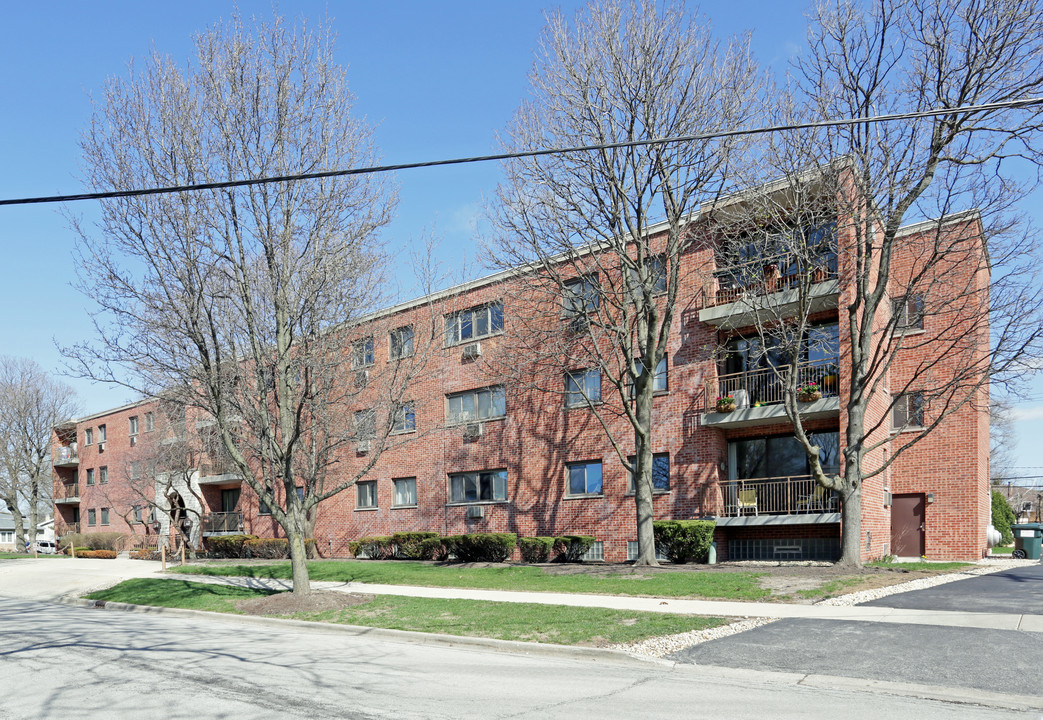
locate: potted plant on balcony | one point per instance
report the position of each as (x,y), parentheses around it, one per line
(725,404)
(809,392)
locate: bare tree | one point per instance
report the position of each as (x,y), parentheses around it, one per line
(934,305)
(31,404)
(606,232)
(242,304)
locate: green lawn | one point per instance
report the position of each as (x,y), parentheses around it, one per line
(506,621)
(23,556)
(716,585)
(1003,550)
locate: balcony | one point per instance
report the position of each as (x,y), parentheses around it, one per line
(767,288)
(66,456)
(67,493)
(778,501)
(222,524)
(223,473)
(759,395)
(61,529)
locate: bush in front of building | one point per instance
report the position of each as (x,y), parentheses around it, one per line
(274,548)
(572,548)
(98,554)
(684,541)
(482,547)
(434,549)
(1003,517)
(408,545)
(228,546)
(379,547)
(93,541)
(535,549)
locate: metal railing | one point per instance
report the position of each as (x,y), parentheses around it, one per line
(767,275)
(766,386)
(799,495)
(214,523)
(67,491)
(61,529)
(66,455)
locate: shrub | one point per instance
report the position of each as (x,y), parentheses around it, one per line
(572,548)
(1003,517)
(434,549)
(79,550)
(274,548)
(482,547)
(684,541)
(535,549)
(145,554)
(229,546)
(98,554)
(374,548)
(93,541)
(408,544)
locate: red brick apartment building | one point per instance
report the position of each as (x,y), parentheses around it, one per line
(503,461)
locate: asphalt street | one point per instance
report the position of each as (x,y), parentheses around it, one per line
(1011,591)
(60,661)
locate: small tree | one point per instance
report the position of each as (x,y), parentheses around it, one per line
(1003,517)
(606,232)
(31,404)
(241,304)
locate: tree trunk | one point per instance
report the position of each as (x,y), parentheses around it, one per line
(299,563)
(643,477)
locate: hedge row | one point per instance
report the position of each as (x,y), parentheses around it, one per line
(92,541)
(97,554)
(251,546)
(684,541)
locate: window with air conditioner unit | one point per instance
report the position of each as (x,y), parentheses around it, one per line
(362,353)
(474,323)
(477,405)
(401,343)
(472,351)
(473,430)
(484,486)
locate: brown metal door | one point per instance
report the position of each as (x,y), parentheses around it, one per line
(907,525)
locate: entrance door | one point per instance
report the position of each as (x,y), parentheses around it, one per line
(907,525)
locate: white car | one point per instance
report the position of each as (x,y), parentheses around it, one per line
(46,547)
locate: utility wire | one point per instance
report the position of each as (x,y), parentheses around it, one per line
(1006,105)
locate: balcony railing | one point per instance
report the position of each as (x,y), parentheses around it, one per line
(222,523)
(799,495)
(764,276)
(766,386)
(66,456)
(67,491)
(62,529)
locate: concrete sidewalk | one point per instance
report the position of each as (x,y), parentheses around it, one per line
(860,613)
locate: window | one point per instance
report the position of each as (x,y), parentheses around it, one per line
(909,312)
(478,486)
(655,266)
(133,421)
(482,404)
(365,424)
(262,506)
(404,418)
(101,433)
(90,476)
(103,475)
(137,513)
(300,493)
(405,492)
(401,343)
(782,456)
(134,470)
(907,411)
(585,478)
(659,380)
(150,422)
(582,387)
(367,494)
(660,473)
(362,353)
(473,323)
(104,516)
(581,295)
(92,517)
(88,436)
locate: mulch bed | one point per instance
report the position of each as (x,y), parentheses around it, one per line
(316,601)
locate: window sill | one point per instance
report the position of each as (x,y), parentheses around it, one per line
(465,503)
(400,358)
(366,509)
(403,507)
(631,493)
(585,496)
(910,429)
(470,340)
(461,423)
(402,432)
(907,332)
(585,406)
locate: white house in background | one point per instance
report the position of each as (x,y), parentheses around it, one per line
(6,532)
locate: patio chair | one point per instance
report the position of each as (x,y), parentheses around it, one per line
(747,499)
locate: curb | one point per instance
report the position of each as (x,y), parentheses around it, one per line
(513,647)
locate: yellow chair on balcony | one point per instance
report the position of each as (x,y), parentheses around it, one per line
(747,499)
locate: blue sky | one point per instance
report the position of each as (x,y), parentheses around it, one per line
(437,79)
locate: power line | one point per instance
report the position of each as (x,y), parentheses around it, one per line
(1006,105)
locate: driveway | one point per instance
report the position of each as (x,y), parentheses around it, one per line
(51,578)
(1010,591)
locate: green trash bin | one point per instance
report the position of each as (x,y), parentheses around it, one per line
(1028,537)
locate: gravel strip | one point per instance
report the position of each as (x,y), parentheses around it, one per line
(661,646)
(984,568)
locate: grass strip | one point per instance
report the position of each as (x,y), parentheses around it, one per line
(25,556)
(1003,550)
(715,585)
(178,594)
(525,622)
